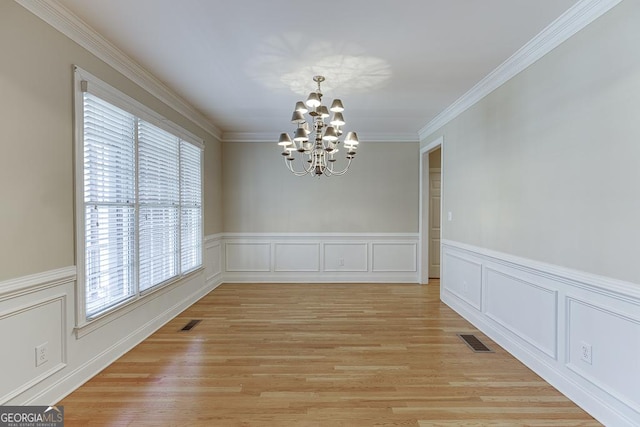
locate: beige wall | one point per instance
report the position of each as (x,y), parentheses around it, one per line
(547,167)
(378,194)
(36,160)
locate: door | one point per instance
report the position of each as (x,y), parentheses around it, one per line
(434,224)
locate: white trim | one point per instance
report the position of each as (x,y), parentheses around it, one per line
(635,405)
(212,258)
(600,284)
(62,363)
(266,137)
(212,238)
(78,149)
(324,236)
(101,89)
(596,388)
(74,379)
(573,20)
(551,350)
(63,20)
(254,258)
(13,288)
(87,82)
(130,304)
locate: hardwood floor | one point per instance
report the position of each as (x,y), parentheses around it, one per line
(318,355)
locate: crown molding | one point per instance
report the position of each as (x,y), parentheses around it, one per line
(273,137)
(573,20)
(63,20)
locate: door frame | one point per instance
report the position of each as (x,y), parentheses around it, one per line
(423,215)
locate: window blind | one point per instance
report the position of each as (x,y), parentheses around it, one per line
(142,204)
(191,204)
(109,195)
(159,197)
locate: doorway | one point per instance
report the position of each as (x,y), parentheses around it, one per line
(430,210)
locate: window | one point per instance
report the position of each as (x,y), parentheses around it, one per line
(140,223)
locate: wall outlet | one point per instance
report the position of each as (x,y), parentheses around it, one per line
(585,352)
(341,262)
(42,354)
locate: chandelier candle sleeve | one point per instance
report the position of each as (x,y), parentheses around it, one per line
(314,145)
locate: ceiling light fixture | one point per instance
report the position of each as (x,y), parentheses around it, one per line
(320,150)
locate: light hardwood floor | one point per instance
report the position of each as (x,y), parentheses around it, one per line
(318,355)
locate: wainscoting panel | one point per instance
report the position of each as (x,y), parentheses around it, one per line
(346,257)
(391,257)
(297,257)
(248,257)
(320,257)
(212,258)
(578,331)
(528,310)
(34,311)
(464,278)
(23,329)
(611,361)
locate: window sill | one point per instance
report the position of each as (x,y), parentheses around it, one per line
(132,304)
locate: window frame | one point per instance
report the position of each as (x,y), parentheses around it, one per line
(86,82)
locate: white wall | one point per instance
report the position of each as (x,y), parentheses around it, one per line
(542,179)
(546,166)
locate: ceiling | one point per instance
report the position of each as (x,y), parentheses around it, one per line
(396,64)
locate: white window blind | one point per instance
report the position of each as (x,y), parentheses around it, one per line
(109,198)
(191,204)
(159,197)
(142,202)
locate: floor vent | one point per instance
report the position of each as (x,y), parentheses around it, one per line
(189,326)
(474,343)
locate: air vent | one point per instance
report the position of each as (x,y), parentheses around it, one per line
(474,343)
(190,325)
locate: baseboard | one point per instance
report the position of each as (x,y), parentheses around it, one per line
(544,315)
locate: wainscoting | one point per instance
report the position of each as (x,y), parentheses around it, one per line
(39,309)
(579,332)
(33,312)
(307,258)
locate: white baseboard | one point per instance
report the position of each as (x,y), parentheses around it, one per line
(544,315)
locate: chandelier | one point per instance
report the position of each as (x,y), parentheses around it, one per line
(316,143)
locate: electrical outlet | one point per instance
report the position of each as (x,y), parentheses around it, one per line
(42,354)
(585,352)
(341,262)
